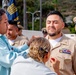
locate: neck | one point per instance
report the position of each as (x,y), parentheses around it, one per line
(54,37)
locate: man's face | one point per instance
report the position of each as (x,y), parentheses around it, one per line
(54,25)
(3,24)
(12,32)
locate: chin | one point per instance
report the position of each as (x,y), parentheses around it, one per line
(52,34)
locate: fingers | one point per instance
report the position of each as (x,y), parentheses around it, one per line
(32,38)
(53,59)
(55,62)
(35,36)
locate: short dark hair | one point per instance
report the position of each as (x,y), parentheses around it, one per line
(12,22)
(56,13)
(2,11)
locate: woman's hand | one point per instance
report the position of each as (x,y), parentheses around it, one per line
(55,64)
(31,39)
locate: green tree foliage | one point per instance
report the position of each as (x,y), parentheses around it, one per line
(46,7)
(55,4)
(20,9)
(72,28)
(34,5)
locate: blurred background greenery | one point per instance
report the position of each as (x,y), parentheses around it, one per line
(66,7)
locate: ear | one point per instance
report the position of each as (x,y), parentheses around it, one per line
(63,25)
(46,57)
(16,29)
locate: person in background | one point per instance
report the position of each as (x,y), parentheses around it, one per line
(44,32)
(74,20)
(20,28)
(63,48)
(12,34)
(33,64)
(7,52)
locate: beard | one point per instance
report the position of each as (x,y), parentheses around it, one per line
(54,34)
(51,33)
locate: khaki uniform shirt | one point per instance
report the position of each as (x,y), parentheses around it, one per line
(19,41)
(65,52)
(24,37)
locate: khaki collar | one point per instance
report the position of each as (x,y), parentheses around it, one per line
(63,41)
